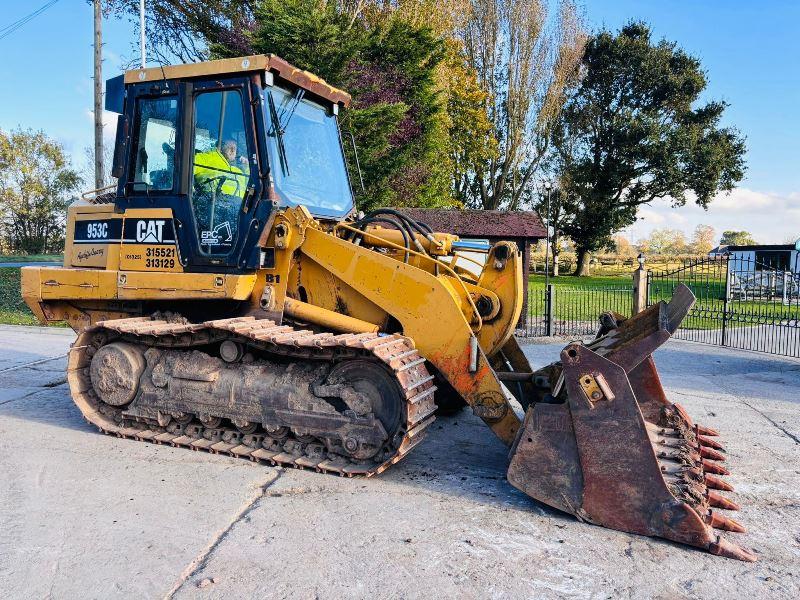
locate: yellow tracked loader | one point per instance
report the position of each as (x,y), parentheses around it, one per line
(226,298)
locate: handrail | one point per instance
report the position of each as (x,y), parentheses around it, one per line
(97,192)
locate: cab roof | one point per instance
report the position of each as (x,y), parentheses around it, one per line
(244,64)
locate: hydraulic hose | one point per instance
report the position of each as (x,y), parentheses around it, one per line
(387,220)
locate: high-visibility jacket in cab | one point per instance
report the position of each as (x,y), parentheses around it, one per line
(212,165)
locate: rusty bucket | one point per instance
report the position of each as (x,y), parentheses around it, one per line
(609,448)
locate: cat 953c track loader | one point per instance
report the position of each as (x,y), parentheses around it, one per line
(226,298)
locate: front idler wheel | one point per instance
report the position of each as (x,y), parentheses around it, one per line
(115,371)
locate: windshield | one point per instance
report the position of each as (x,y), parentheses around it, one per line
(307,161)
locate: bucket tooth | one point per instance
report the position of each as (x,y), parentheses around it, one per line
(720,501)
(709,443)
(723,547)
(716,483)
(710,466)
(711,453)
(717,521)
(701,430)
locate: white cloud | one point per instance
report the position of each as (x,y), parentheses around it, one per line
(772,218)
(746,200)
(109,125)
(651,217)
(679,220)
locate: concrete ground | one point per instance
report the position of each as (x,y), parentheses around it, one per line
(92,516)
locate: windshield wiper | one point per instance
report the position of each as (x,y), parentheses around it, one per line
(278,133)
(296,98)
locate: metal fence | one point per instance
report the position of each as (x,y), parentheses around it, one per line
(741,303)
(573,310)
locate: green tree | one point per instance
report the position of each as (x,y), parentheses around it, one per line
(472,139)
(630,134)
(389,66)
(737,238)
(35,182)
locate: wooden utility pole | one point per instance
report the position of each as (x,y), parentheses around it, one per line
(99,177)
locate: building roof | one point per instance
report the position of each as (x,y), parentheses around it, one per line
(503,224)
(760,247)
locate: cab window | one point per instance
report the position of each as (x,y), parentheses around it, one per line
(155,145)
(221,169)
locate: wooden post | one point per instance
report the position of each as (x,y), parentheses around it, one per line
(525,247)
(639,290)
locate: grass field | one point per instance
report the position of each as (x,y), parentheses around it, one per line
(32,258)
(570,280)
(580,299)
(13,310)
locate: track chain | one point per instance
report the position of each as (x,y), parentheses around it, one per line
(395,351)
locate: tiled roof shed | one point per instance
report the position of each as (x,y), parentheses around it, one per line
(500,224)
(521,227)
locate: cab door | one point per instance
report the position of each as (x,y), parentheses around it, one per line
(223,171)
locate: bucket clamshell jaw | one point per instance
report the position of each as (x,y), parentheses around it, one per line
(610,448)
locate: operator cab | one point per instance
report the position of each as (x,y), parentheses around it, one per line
(222,144)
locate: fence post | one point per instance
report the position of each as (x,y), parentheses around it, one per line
(725,302)
(639,290)
(785,299)
(548,310)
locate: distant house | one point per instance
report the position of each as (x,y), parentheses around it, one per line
(763,271)
(779,257)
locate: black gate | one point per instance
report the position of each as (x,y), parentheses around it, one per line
(741,303)
(573,311)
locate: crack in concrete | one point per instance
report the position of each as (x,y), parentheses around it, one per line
(56,383)
(31,364)
(45,388)
(200,561)
(771,420)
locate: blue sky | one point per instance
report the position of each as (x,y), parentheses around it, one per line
(749,50)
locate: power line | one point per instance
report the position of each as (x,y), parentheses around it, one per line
(19,23)
(11,28)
